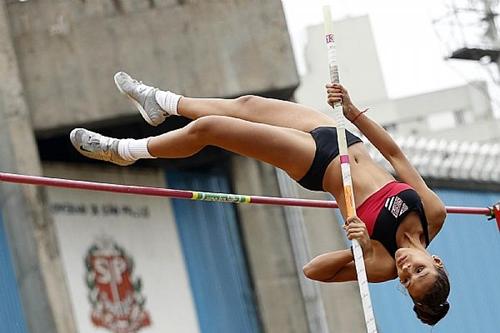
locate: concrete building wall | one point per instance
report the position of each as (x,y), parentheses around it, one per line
(482,131)
(359,65)
(269,251)
(432,113)
(69,50)
(30,231)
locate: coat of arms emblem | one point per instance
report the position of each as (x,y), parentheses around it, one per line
(115,296)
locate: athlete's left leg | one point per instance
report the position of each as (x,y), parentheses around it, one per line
(156,105)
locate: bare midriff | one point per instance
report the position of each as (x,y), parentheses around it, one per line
(367,176)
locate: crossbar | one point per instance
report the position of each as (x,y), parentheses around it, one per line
(196,195)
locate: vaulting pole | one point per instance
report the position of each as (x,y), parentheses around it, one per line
(359,262)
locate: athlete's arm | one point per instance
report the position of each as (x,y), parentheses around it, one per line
(325,267)
(339,266)
(435,210)
(378,136)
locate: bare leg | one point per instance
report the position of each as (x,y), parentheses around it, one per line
(256,109)
(252,108)
(285,148)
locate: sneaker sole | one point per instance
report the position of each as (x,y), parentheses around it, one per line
(136,104)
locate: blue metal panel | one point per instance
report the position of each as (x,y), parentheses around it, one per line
(213,252)
(11,313)
(470,248)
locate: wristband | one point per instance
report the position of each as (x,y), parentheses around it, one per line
(357,116)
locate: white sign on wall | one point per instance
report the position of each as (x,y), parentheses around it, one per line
(121,254)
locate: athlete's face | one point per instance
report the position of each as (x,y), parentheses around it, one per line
(417,270)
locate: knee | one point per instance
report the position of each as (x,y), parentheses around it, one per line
(204,127)
(248,101)
(308,270)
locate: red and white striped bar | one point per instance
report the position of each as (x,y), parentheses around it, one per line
(162,192)
(204,196)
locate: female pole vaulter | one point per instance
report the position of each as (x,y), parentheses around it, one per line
(396,220)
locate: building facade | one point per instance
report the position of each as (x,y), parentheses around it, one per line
(445,114)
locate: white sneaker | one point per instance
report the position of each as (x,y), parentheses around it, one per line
(97,146)
(143,98)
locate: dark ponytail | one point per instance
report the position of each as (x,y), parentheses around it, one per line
(434,305)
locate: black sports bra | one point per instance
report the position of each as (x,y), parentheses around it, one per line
(395,209)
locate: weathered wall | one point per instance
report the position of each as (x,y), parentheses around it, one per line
(69,50)
(269,251)
(31,234)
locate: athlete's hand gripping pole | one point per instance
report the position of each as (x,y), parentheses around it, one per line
(346,176)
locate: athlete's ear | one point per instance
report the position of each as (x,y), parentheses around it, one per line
(437,261)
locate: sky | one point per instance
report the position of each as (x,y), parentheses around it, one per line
(411,48)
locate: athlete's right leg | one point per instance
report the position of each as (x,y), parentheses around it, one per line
(155,105)
(285,148)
